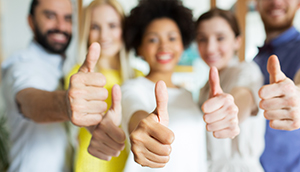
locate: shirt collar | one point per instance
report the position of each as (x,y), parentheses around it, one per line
(43,54)
(283,38)
(286,36)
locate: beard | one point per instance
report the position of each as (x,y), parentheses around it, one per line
(55,48)
(272,26)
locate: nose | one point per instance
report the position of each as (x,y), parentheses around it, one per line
(63,25)
(104,34)
(211,46)
(163,44)
(277,3)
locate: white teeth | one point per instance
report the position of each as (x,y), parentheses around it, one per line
(164,57)
(104,44)
(59,37)
(277,12)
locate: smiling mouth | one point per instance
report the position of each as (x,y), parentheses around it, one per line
(164,58)
(58,37)
(277,12)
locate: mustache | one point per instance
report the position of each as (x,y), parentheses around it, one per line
(68,35)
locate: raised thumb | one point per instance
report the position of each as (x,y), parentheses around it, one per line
(116,106)
(91,58)
(214,82)
(161,95)
(276,75)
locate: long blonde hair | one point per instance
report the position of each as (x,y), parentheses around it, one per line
(126,71)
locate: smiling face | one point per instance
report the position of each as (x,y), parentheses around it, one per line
(52,24)
(106,28)
(161,45)
(277,14)
(217,43)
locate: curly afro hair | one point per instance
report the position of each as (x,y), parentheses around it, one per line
(147,11)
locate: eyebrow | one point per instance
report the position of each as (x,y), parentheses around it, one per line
(154,33)
(48,12)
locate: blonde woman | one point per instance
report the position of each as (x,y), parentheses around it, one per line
(103,23)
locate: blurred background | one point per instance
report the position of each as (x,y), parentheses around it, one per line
(192,73)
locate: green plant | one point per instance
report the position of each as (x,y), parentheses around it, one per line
(3,145)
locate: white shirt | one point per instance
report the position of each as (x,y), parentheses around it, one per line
(185,120)
(34,147)
(242,153)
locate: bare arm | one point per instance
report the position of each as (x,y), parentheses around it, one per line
(244,100)
(43,106)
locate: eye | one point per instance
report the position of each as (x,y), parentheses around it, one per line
(95,27)
(220,38)
(201,40)
(172,38)
(113,25)
(153,40)
(50,16)
(68,19)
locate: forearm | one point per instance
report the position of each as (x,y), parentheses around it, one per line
(43,106)
(135,120)
(244,100)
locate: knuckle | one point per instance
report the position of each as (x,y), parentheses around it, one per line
(294,114)
(292,101)
(75,78)
(135,138)
(91,150)
(103,107)
(76,120)
(289,87)
(267,114)
(144,124)
(229,97)
(100,78)
(261,104)
(296,124)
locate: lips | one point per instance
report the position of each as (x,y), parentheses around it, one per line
(105,45)
(277,12)
(164,58)
(59,37)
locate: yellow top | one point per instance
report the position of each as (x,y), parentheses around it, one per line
(84,162)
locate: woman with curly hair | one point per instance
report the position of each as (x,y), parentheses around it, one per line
(155,110)
(218,38)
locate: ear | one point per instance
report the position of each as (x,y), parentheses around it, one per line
(30,22)
(237,43)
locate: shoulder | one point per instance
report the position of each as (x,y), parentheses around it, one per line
(245,68)
(138,73)
(138,82)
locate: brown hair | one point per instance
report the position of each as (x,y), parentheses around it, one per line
(227,15)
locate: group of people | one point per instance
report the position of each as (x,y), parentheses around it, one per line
(86,122)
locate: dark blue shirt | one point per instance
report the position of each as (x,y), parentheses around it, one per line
(282,149)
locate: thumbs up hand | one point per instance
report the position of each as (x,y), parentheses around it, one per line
(151,140)
(86,95)
(220,111)
(107,138)
(280,99)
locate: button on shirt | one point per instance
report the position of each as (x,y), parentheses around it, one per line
(34,147)
(282,149)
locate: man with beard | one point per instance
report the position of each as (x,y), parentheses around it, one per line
(280,96)
(38,109)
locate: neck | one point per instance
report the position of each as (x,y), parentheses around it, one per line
(165,76)
(272,34)
(105,62)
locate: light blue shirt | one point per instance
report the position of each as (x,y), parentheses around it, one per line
(34,147)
